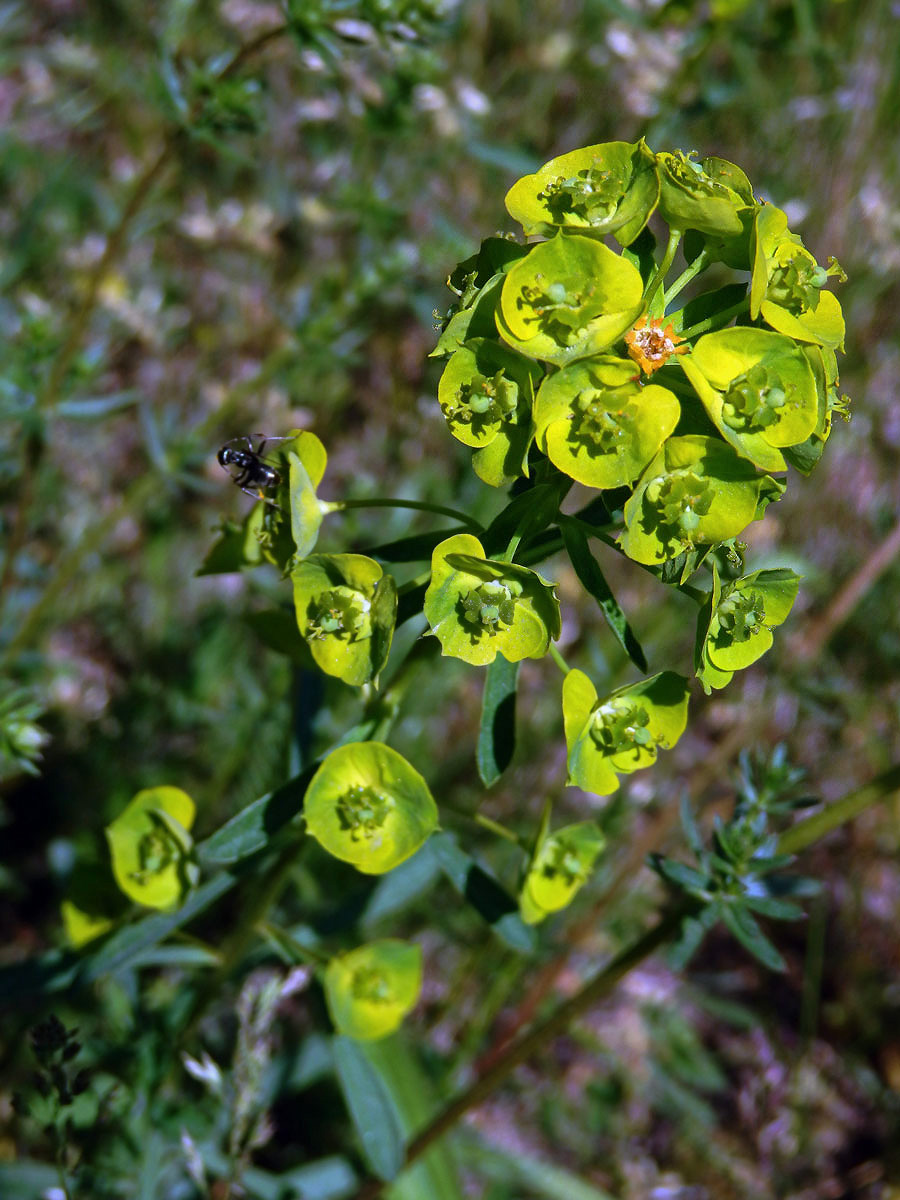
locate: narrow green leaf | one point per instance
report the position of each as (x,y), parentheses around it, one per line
(779,910)
(527,514)
(742,925)
(329,1178)
(497,735)
(253,827)
(680,874)
(371,1108)
(690,827)
(693,931)
(588,571)
(123,948)
(543,1179)
(383,614)
(412,1090)
(401,887)
(491,901)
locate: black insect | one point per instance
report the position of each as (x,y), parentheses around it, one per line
(248,469)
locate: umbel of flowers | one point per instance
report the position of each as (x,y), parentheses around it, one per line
(571,357)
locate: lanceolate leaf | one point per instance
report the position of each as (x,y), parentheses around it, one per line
(371,1107)
(484,893)
(739,922)
(497,735)
(588,571)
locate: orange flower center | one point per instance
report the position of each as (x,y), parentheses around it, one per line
(651,346)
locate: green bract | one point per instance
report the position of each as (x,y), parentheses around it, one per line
(151,847)
(710,196)
(568,298)
(787,284)
(609,188)
(561,864)
(734,626)
(622,732)
(368,806)
(758,389)
(371,989)
(596,423)
(82,927)
(486,394)
(823,363)
(477,282)
(346,609)
(696,491)
(290,518)
(307,460)
(479,608)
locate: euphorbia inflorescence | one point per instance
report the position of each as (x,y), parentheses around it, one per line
(572,357)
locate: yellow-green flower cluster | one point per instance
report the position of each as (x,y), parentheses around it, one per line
(551,344)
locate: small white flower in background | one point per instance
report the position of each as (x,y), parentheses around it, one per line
(204,1070)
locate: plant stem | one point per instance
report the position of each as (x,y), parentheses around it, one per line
(700,263)
(419,505)
(594,990)
(810,830)
(717,320)
(559,660)
(478,818)
(263,896)
(797,838)
(510,552)
(663,269)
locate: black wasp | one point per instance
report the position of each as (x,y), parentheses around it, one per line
(252,473)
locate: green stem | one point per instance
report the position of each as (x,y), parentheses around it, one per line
(594,990)
(263,892)
(810,830)
(419,505)
(601,985)
(717,320)
(511,547)
(700,263)
(559,660)
(485,823)
(279,937)
(663,268)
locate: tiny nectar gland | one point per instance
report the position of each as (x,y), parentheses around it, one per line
(362,811)
(371,986)
(618,724)
(651,346)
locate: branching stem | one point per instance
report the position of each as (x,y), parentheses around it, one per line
(663,269)
(717,320)
(700,263)
(602,984)
(392,502)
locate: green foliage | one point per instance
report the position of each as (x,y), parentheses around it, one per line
(741,873)
(251,240)
(21,737)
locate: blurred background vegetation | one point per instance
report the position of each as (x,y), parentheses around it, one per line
(191,255)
